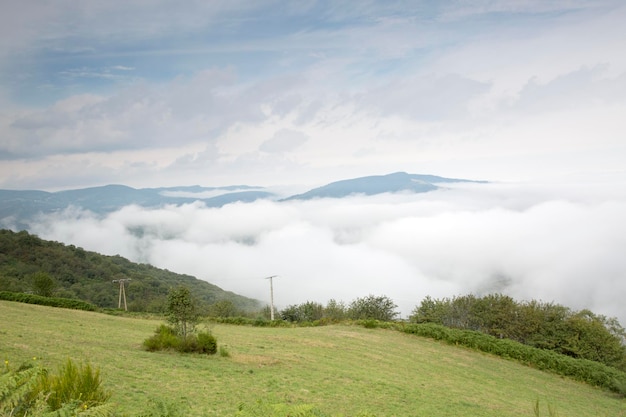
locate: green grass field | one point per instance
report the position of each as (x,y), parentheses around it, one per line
(341,370)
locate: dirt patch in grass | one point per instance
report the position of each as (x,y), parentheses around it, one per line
(258,360)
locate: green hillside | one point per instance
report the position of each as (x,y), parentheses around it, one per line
(77,273)
(340,370)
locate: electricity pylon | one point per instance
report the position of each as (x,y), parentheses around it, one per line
(122,292)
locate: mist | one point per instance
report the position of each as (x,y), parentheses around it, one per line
(559,243)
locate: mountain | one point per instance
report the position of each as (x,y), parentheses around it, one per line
(378,184)
(17,207)
(88,276)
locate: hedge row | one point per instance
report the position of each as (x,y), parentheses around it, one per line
(46,301)
(591,372)
(263,322)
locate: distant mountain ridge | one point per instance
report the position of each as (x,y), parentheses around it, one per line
(378,184)
(18,206)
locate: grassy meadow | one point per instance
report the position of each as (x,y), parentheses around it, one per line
(341,370)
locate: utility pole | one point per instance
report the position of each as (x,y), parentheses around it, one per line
(272,295)
(122,292)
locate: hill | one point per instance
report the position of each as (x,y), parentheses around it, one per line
(341,370)
(87,275)
(378,184)
(19,207)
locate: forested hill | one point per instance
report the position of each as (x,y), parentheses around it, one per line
(88,276)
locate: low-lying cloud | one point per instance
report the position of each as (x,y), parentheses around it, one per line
(561,244)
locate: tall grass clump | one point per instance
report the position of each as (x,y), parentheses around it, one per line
(34,391)
(72,382)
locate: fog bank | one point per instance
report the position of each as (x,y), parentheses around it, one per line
(551,242)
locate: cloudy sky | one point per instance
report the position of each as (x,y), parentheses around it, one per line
(269,92)
(530,95)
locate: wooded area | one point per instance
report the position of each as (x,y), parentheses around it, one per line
(579,334)
(32,265)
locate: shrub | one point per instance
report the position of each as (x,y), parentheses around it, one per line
(47,301)
(207,343)
(166,338)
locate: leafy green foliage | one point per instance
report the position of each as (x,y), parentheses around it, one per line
(73,391)
(164,338)
(167,338)
(373,307)
(223,308)
(47,301)
(43,284)
(542,325)
(87,276)
(16,389)
(309,311)
(181,310)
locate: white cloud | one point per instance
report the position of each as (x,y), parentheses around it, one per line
(503,90)
(284,140)
(549,242)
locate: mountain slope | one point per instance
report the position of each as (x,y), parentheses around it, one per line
(88,275)
(341,370)
(378,184)
(19,207)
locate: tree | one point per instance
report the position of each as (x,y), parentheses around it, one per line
(373,307)
(43,284)
(588,337)
(430,311)
(309,311)
(223,308)
(181,310)
(335,310)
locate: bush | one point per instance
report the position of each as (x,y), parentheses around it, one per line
(47,301)
(207,343)
(166,338)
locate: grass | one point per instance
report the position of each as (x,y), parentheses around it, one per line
(341,370)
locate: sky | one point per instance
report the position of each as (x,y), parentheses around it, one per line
(529,95)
